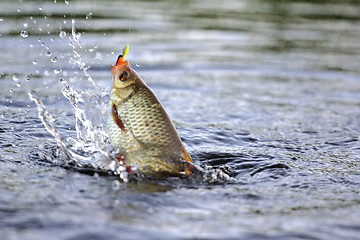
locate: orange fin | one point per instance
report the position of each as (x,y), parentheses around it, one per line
(189,167)
(187,156)
(116,118)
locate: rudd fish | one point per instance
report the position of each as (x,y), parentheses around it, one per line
(140,128)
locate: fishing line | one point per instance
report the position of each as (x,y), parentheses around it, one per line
(130,37)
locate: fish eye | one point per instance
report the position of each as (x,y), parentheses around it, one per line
(124,76)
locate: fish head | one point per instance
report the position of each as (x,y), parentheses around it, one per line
(125,79)
(123,75)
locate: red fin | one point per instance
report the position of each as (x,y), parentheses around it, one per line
(116,118)
(121,159)
(190,169)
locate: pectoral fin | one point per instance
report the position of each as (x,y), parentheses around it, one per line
(116,118)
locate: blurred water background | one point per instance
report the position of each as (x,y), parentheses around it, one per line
(265,91)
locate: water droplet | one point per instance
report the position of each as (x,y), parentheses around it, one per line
(31,46)
(24,34)
(89,15)
(91,50)
(1,19)
(34,62)
(18,84)
(40,29)
(54,59)
(48,53)
(66,2)
(116,185)
(15,77)
(18,10)
(52,39)
(40,8)
(28,77)
(137,65)
(62,34)
(98,56)
(57,71)
(43,44)
(11,90)
(25,25)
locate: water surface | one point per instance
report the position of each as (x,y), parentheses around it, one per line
(267,92)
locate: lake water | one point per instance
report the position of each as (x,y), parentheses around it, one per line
(265,95)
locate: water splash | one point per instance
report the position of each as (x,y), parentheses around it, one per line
(77,60)
(47,119)
(90,125)
(91,147)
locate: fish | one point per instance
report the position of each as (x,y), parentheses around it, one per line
(140,128)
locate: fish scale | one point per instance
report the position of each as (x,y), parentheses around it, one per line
(144,109)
